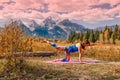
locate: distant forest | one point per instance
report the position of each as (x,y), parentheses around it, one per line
(108,35)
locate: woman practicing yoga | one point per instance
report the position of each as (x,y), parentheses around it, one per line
(71,49)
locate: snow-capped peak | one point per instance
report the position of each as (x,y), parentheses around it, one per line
(31,24)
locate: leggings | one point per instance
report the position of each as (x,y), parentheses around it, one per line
(62,48)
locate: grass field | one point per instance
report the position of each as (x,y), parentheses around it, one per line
(107,65)
(106,52)
(37,69)
(103,70)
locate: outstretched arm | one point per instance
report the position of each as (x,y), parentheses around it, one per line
(80,54)
(92,44)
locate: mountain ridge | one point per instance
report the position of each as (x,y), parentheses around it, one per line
(50,28)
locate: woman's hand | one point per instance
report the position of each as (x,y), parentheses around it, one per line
(80,61)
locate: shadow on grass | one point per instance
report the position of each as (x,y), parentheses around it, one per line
(31,71)
(41,71)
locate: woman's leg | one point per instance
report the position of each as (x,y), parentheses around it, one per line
(67,57)
(60,48)
(53,44)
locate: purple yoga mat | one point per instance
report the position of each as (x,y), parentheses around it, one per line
(70,62)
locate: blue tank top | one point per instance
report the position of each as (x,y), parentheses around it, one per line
(72,49)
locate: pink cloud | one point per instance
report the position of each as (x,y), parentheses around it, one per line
(1,1)
(112,2)
(63,6)
(25,4)
(114,10)
(76,9)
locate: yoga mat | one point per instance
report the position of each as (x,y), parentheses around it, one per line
(70,62)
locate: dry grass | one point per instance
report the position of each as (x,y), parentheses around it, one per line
(104,52)
(37,46)
(36,69)
(101,51)
(100,71)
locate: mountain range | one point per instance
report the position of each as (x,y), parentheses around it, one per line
(50,28)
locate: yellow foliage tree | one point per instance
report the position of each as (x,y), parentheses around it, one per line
(106,35)
(101,38)
(12,41)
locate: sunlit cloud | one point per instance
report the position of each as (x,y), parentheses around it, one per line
(89,11)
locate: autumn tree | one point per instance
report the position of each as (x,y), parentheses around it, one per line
(12,41)
(101,38)
(107,35)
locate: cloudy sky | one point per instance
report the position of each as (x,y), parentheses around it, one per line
(90,13)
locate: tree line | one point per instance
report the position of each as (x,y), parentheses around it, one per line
(108,35)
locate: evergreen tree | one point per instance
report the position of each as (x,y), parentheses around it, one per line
(110,33)
(92,37)
(119,35)
(86,35)
(71,37)
(116,32)
(81,36)
(77,36)
(113,38)
(97,33)
(106,27)
(103,37)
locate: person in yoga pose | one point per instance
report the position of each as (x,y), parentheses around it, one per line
(71,49)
